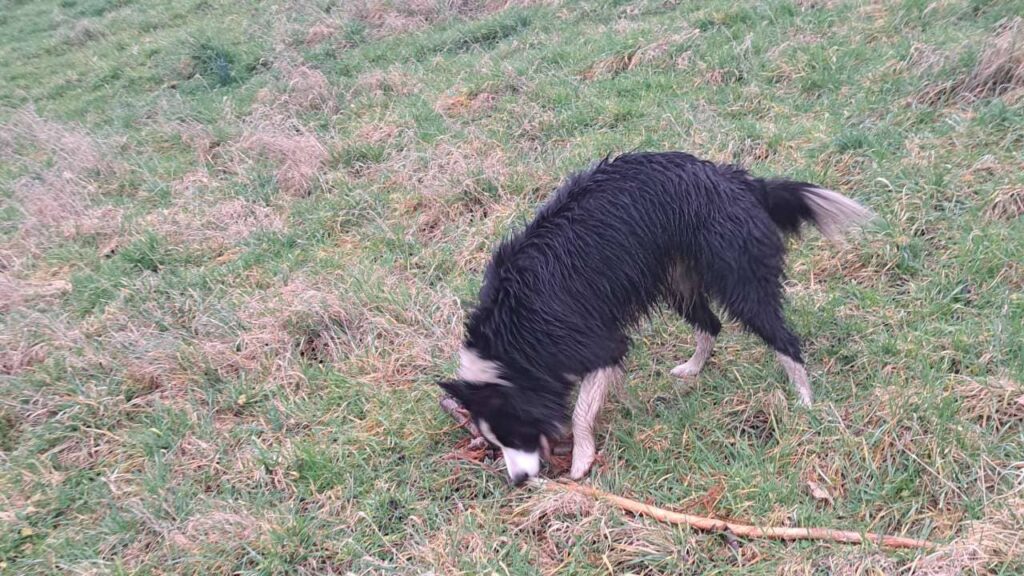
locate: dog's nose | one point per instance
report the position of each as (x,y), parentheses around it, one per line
(519,479)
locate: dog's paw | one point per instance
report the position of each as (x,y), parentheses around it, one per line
(581,464)
(581,472)
(806,398)
(688,370)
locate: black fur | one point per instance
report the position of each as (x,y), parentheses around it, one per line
(559,296)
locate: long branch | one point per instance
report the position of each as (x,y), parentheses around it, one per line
(746,530)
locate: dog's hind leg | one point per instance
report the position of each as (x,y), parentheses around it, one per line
(593,391)
(759,307)
(690,302)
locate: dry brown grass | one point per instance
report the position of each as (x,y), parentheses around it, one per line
(392,17)
(644,55)
(999,70)
(20,355)
(1006,204)
(849,564)
(199,138)
(316,321)
(15,293)
(319,33)
(463,103)
(996,401)
(443,549)
(556,520)
(28,338)
(281,327)
(308,89)
(217,529)
(460,183)
(297,152)
(983,544)
(191,221)
(377,83)
(376,133)
(63,166)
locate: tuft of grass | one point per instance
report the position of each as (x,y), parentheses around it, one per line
(997,71)
(216,64)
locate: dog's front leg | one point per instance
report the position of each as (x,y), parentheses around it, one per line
(593,391)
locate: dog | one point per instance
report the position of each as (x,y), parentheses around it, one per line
(614,242)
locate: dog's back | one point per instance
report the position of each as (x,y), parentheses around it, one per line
(618,237)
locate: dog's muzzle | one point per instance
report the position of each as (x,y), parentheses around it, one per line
(521,465)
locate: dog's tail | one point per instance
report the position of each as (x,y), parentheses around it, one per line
(791,203)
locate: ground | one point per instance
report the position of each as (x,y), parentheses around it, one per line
(237,240)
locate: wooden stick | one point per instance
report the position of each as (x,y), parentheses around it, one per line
(452,407)
(745,530)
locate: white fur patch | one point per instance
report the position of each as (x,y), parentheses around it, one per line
(521,464)
(693,366)
(797,377)
(835,214)
(518,463)
(473,368)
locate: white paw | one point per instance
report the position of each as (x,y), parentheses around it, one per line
(806,398)
(687,370)
(582,460)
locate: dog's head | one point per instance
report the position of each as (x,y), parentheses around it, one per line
(514,416)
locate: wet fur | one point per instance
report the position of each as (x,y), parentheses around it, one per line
(560,296)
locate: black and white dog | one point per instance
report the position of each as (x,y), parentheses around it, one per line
(559,296)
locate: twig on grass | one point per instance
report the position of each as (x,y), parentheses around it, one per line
(452,407)
(743,530)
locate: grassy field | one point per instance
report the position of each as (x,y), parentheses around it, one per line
(237,240)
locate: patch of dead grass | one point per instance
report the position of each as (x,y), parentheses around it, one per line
(455,183)
(378,83)
(998,401)
(28,338)
(16,293)
(80,33)
(982,547)
(393,17)
(557,520)
(443,549)
(282,326)
(376,133)
(842,564)
(999,70)
(392,339)
(319,33)
(1006,204)
(308,89)
(63,165)
(463,103)
(19,356)
(217,529)
(297,152)
(642,55)
(191,221)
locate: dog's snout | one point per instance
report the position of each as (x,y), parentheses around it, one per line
(521,465)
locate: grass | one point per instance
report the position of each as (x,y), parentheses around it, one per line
(237,239)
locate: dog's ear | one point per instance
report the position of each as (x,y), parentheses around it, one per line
(458,389)
(477,397)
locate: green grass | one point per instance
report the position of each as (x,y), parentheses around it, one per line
(237,239)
